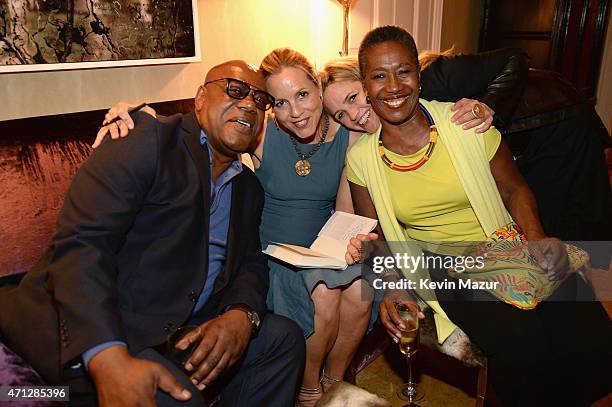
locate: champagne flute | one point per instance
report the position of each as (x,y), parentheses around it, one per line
(409,344)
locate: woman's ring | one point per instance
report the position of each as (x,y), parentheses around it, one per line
(359,256)
(478,111)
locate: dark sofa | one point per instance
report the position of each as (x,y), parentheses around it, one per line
(39,156)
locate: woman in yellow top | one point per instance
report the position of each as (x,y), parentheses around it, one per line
(427,182)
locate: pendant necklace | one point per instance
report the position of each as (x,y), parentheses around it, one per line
(302,166)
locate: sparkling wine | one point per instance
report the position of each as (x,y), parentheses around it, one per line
(409,341)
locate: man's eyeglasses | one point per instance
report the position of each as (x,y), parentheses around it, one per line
(239,90)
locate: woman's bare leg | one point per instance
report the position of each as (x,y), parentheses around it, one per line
(326,322)
(355,310)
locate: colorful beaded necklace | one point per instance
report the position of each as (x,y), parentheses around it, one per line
(433,138)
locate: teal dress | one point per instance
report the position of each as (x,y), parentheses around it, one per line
(295,209)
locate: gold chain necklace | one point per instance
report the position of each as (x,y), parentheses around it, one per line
(433,138)
(302,166)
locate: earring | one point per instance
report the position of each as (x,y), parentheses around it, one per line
(368,100)
(420,87)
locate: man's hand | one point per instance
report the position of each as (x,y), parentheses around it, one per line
(388,314)
(551,256)
(224,341)
(122,380)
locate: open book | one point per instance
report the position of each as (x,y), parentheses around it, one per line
(328,250)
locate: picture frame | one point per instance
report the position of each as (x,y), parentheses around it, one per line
(97,34)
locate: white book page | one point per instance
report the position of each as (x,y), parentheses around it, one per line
(300,250)
(329,247)
(338,231)
(303,257)
(343,226)
(330,244)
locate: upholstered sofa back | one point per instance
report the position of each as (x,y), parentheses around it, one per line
(38,158)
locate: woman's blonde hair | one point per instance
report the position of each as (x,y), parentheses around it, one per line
(287,57)
(341,69)
(427,57)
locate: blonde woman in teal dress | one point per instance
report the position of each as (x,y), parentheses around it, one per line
(300,163)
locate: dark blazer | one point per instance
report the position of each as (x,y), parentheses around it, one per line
(130,254)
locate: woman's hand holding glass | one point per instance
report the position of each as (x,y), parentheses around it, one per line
(387,309)
(390,318)
(121,127)
(464,115)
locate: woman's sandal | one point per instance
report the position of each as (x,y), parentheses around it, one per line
(327,382)
(308,397)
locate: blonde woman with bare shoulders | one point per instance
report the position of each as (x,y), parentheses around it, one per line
(300,163)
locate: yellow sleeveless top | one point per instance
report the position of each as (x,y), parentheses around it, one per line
(430,201)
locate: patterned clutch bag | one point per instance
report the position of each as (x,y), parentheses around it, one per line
(513,270)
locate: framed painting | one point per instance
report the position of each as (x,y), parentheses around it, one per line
(40,35)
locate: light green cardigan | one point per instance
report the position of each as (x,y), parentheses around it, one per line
(468,155)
